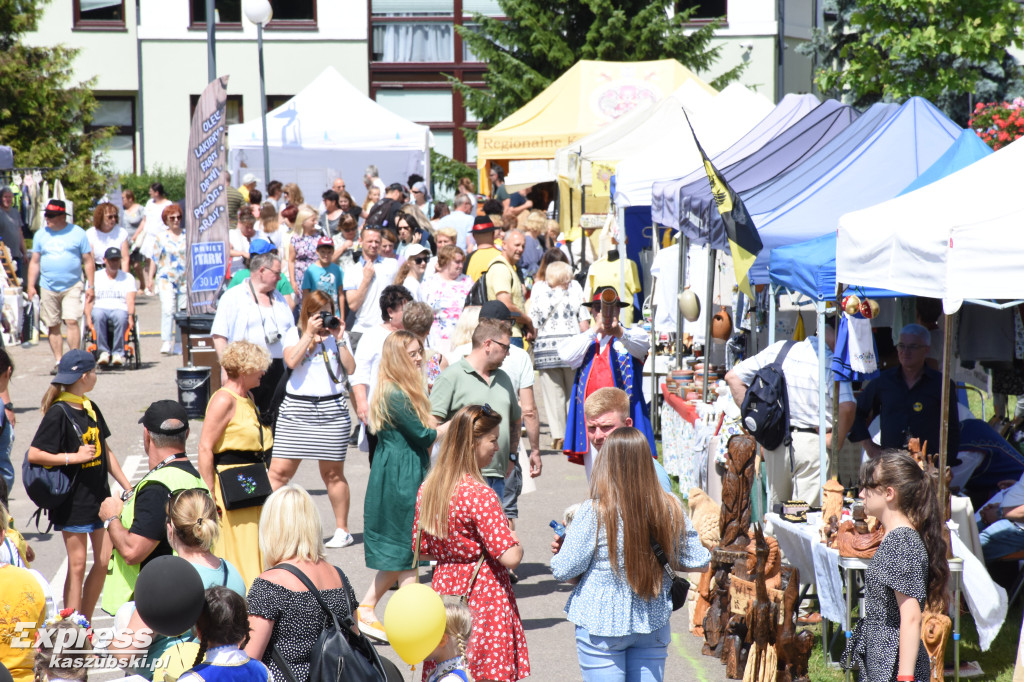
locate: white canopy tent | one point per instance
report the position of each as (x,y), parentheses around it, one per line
(957,238)
(328,129)
(667,149)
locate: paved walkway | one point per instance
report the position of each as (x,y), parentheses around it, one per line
(123,396)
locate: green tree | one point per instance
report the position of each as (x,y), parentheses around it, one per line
(541,39)
(947,51)
(43,114)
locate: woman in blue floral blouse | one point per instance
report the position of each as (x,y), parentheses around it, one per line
(621,603)
(169,256)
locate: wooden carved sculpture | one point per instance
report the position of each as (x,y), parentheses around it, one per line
(935,630)
(735,519)
(734,654)
(760,620)
(792,648)
(831,508)
(717,618)
(702,603)
(773,564)
(705,514)
(859,538)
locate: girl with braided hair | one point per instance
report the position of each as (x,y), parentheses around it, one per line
(450,654)
(223,629)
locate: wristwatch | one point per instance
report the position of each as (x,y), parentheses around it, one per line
(513,456)
(106,524)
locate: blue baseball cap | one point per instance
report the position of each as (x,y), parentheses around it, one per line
(260,246)
(73,365)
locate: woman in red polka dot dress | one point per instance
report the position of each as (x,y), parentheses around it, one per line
(462,521)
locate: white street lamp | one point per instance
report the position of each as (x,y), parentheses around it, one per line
(260,13)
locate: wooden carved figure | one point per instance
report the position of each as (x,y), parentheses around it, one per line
(831,506)
(702,603)
(792,648)
(717,618)
(704,516)
(935,630)
(760,620)
(735,519)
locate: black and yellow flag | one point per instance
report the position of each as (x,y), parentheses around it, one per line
(744,241)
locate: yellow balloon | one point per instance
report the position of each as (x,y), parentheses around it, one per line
(414,621)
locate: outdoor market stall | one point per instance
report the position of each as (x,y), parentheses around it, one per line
(329,129)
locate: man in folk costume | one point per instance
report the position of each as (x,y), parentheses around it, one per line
(606,355)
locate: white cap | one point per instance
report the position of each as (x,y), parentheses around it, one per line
(414,250)
(247,178)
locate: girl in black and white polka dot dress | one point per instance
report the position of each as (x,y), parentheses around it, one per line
(908,571)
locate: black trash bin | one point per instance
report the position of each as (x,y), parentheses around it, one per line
(194,390)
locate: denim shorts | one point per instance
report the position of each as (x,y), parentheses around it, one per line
(82,528)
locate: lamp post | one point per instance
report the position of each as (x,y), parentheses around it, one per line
(260,12)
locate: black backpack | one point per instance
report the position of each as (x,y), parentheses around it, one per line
(50,487)
(765,408)
(478,294)
(338,654)
(383,214)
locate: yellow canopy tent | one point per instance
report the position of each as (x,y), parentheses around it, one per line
(586,97)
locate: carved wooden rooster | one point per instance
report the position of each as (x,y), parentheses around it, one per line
(704,516)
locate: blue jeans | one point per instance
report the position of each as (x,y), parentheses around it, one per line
(1000,539)
(513,488)
(497,485)
(118,319)
(517,341)
(6,441)
(630,658)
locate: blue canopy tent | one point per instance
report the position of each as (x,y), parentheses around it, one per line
(810,268)
(786,151)
(792,108)
(893,157)
(781,182)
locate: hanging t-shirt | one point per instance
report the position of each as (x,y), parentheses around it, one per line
(666,269)
(608,273)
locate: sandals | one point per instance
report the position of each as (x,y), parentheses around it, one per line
(368,624)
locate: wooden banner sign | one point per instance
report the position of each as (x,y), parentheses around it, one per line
(206,200)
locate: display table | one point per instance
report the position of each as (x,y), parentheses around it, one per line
(693,444)
(801,546)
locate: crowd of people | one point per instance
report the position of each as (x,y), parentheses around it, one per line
(349,326)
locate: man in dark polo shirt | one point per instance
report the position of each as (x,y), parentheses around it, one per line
(138,525)
(908,400)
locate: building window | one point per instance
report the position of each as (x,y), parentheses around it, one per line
(228,13)
(706,9)
(275,101)
(232,112)
(293,15)
(117,113)
(413,31)
(99,14)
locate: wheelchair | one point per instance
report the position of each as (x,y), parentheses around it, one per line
(132,357)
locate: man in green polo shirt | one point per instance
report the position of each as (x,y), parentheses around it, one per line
(477,380)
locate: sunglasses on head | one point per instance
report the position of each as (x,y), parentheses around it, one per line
(488,410)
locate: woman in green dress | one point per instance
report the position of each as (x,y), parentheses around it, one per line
(400,416)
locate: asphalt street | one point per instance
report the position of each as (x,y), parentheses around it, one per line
(123,396)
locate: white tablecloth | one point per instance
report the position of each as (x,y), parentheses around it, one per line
(801,544)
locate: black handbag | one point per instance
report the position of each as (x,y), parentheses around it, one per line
(339,654)
(680,586)
(247,485)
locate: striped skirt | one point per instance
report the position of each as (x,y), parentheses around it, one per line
(313,428)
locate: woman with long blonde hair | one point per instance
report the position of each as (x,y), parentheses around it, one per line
(400,416)
(621,603)
(461,524)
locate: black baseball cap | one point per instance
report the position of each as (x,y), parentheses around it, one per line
(54,208)
(496,310)
(159,412)
(112,252)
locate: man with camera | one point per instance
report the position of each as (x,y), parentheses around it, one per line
(254,311)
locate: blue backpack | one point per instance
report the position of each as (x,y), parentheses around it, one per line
(765,409)
(49,487)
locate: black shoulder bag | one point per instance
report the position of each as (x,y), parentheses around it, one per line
(339,654)
(247,485)
(680,586)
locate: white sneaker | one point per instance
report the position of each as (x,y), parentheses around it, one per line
(104,358)
(117,360)
(165,349)
(341,539)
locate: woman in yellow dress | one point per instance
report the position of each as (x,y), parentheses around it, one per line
(232,437)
